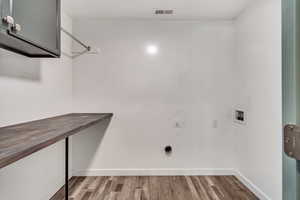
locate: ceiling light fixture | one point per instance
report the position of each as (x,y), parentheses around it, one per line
(152,49)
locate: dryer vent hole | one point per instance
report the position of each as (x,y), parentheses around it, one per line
(168,150)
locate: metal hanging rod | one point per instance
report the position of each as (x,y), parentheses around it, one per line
(87,49)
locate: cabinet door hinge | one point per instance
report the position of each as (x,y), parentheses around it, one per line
(292,141)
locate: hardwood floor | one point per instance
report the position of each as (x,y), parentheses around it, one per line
(157,188)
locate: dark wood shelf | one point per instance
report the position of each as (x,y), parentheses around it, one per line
(21,140)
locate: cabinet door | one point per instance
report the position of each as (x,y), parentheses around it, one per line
(5,10)
(39,21)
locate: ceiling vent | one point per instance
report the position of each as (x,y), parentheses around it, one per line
(164,12)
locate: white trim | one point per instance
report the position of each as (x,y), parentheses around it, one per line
(251,186)
(155,172)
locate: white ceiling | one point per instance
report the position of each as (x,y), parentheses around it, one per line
(144,9)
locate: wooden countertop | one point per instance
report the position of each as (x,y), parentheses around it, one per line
(21,140)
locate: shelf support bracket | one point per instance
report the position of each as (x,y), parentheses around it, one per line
(67,169)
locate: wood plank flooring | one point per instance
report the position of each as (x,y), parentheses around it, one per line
(157,188)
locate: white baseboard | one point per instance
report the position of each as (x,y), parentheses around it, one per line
(251,186)
(154,172)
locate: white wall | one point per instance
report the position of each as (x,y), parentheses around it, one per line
(259,76)
(33,89)
(189,81)
(202,71)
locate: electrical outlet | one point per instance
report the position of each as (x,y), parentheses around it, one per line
(177,125)
(215,124)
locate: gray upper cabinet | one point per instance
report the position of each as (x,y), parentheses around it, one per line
(31,27)
(5,10)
